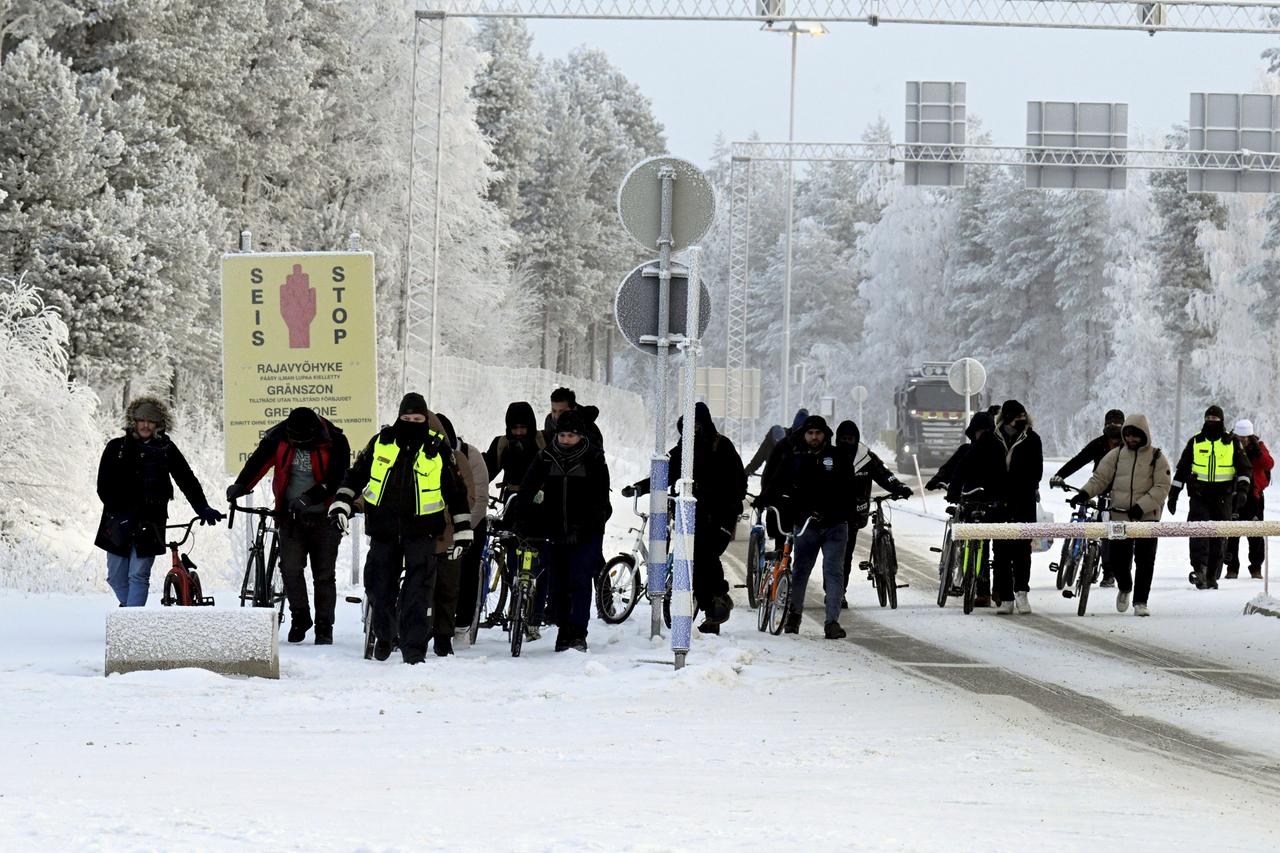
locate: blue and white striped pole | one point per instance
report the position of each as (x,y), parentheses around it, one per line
(658,471)
(658,476)
(686,505)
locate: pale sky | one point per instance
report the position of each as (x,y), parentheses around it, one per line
(707,78)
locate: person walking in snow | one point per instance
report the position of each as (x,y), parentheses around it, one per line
(457,569)
(867,468)
(564,400)
(511,453)
(1092,454)
(951,477)
(1217,473)
(136,476)
(719,485)
(1260,463)
(1008,463)
(565,499)
(307,457)
(414,498)
(1136,475)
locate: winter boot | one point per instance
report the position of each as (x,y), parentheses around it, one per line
(298,629)
(381,649)
(324,635)
(1255,572)
(1141,610)
(709,627)
(721,607)
(792,625)
(1004,608)
(1233,572)
(833,631)
(443,646)
(982,601)
(1020,603)
(1197,578)
(579,644)
(1107,581)
(563,640)
(1122,601)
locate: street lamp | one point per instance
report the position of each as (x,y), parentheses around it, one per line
(795,29)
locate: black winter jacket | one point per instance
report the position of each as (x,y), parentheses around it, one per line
(593,434)
(135,484)
(810,482)
(574,487)
(1091,455)
(719,481)
(511,456)
(867,468)
(1182,475)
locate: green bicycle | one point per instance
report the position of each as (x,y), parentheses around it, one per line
(964,563)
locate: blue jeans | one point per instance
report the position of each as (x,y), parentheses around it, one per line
(831,541)
(130,578)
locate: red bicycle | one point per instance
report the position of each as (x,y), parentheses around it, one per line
(182,584)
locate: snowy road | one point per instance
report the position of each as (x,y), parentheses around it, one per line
(923,730)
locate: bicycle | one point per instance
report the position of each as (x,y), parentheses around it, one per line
(882,568)
(524,591)
(492,584)
(773,591)
(622,583)
(964,564)
(1091,560)
(755,555)
(182,584)
(1072,552)
(262,585)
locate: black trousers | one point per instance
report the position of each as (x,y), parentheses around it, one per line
(1206,553)
(448,573)
(709,544)
(313,541)
(1139,551)
(1011,567)
(1252,511)
(469,576)
(402,609)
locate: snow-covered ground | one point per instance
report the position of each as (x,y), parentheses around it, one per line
(924,730)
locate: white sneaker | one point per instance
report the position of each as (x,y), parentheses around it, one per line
(1005,608)
(1122,601)
(462,638)
(1141,610)
(1020,602)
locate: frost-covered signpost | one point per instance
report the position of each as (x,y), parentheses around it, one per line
(667,203)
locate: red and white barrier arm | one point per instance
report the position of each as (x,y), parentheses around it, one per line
(1117,530)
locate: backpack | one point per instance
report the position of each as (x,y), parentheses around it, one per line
(505,442)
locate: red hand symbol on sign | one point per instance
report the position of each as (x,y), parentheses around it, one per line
(298,307)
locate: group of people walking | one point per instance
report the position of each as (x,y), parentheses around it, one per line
(424,493)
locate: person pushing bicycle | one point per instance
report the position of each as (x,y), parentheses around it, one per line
(413,495)
(867,468)
(307,457)
(950,477)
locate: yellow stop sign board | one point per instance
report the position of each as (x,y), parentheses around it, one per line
(297,330)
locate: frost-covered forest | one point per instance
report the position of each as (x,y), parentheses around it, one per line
(141,136)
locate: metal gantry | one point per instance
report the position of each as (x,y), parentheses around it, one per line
(419,332)
(743,154)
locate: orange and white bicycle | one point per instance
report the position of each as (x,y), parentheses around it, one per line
(773,593)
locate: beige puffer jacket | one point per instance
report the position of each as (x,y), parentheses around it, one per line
(1140,477)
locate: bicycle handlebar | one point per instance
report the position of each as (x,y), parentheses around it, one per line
(251,510)
(187,527)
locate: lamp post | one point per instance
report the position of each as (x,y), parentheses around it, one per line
(795,29)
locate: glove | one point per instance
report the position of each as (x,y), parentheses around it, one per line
(933,485)
(299,505)
(456,552)
(209,515)
(340,516)
(236,490)
(628,491)
(1173,500)
(1079,499)
(1056,482)
(1238,501)
(902,492)
(1136,513)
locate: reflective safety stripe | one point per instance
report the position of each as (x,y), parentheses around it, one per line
(1213,461)
(427,472)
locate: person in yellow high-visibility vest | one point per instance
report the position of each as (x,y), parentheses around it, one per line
(412,492)
(1218,476)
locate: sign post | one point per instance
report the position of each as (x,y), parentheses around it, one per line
(668,203)
(967,377)
(860,397)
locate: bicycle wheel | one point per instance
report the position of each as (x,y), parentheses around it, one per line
(1088,571)
(515,625)
(763,589)
(969,585)
(891,571)
(878,569)
(945,568)
(780,605)
(171,590)
(1063,562)
(498,590)
(478,612)
(755,563)
(619,589)
(195,595)
(250,572)
(366,616)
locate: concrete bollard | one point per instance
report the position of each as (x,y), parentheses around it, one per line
(232,641)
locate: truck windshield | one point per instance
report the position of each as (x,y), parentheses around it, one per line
(935,398)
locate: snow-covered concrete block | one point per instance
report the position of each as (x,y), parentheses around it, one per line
(231,641)
(1263,604)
